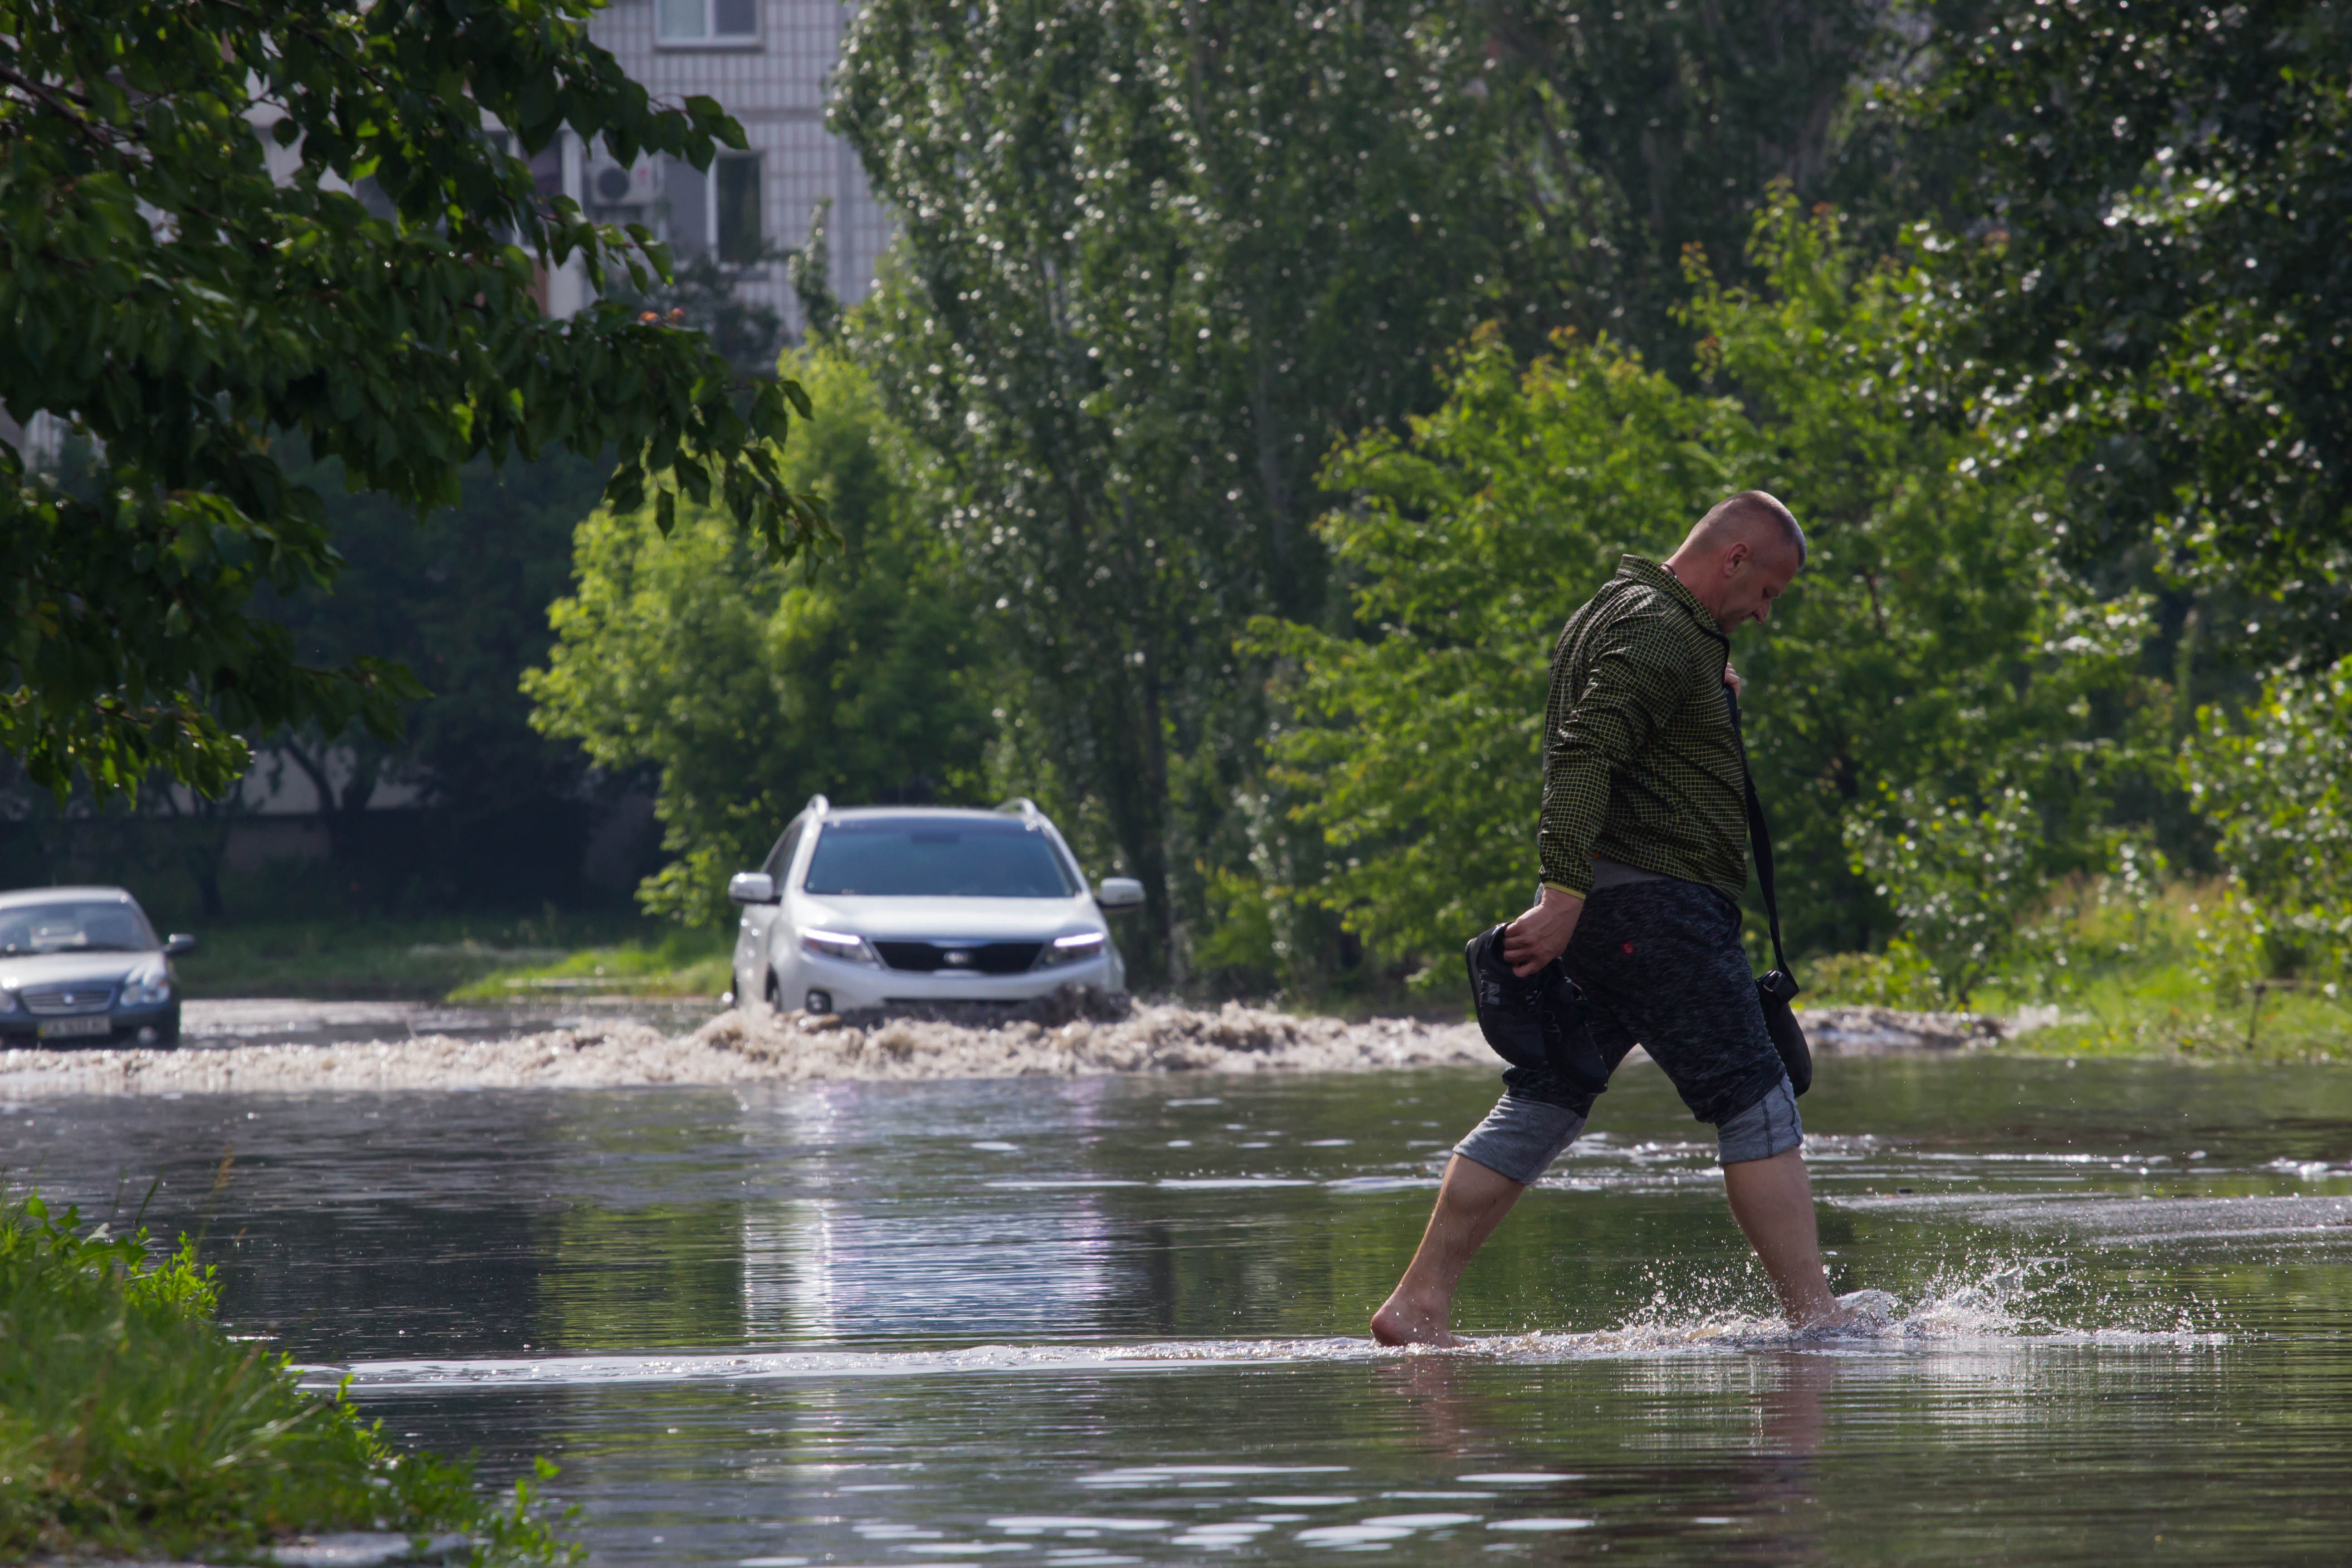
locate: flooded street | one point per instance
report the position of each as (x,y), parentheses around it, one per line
(1076,1322)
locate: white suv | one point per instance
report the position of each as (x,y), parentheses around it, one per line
(880,905)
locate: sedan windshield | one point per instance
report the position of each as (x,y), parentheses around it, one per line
(75,926)
(907,857)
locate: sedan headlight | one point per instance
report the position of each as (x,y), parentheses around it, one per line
(145,990)
(1071,949)
(8,1003)
(839,944)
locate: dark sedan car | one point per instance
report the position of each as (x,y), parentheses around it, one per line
(81,966)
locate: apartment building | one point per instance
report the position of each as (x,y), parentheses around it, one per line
(767,62)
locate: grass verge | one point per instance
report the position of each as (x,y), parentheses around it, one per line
(680,964)
(2140,976)
(395,959)
(130,1423)
(2170,1012)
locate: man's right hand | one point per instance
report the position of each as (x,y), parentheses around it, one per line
(1542,934)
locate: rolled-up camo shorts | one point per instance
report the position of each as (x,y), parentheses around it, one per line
(1660,965)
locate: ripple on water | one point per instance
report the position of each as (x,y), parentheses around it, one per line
(1160,1475)
(1351,1534)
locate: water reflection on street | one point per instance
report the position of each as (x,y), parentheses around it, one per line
(1119,1320)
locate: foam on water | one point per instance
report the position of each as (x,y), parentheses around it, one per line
(754,1046)
(293,1045)
(1989,1302)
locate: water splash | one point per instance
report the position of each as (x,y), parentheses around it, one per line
(1980,1302)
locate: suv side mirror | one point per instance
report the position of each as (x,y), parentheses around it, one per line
(752,888)
(178,942)
(1121,893)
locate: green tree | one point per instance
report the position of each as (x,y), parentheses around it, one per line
(1932,643)
(2170,288)
(752,685)
(1646,127)
(185,273)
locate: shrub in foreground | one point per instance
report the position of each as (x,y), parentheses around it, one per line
(130,1423)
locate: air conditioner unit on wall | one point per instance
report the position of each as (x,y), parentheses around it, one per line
(613,183)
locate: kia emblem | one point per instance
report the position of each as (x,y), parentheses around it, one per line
(957,955)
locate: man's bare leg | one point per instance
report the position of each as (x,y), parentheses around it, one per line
(1773,1202)
(1471,1202)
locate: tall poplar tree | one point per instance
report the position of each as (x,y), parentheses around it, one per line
(1156,259)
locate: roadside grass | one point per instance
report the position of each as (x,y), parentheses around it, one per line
(2171,1012)
(131,1424)
(389,957)
(678,963)
(2123,976)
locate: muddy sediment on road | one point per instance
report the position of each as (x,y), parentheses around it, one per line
(758,1046)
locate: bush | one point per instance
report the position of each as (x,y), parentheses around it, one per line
(2280,789)
(1899,977)
(131,1423)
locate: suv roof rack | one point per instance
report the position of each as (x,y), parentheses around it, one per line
(1022,806)
(817,806)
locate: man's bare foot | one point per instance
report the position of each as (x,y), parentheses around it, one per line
(1403,1320)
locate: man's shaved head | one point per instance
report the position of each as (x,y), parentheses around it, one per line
(1751,515)
(1740,557)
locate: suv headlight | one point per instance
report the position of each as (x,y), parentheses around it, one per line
(1071,949)
(839,944)
(146,989)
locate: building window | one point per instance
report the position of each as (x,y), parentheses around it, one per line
(715,214)
(736,226)
(706,21)
(686,208)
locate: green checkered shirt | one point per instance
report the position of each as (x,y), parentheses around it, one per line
(1642,760)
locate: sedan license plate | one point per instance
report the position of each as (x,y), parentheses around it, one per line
(65,1028)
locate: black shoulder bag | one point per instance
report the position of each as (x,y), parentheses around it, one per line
(1778,988)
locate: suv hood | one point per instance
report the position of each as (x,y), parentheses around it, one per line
(995,920)
(63,968)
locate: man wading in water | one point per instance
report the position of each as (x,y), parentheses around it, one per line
(1644,841)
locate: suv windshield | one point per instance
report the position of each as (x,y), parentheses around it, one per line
(909,858)
(75,926)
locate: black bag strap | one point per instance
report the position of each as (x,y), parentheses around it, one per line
(1759,840)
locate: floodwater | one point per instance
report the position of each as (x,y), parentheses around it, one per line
(1069,1322)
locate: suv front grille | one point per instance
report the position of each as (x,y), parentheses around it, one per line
(65,1001)
(960,957)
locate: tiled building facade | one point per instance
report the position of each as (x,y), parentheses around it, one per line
(767,62)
